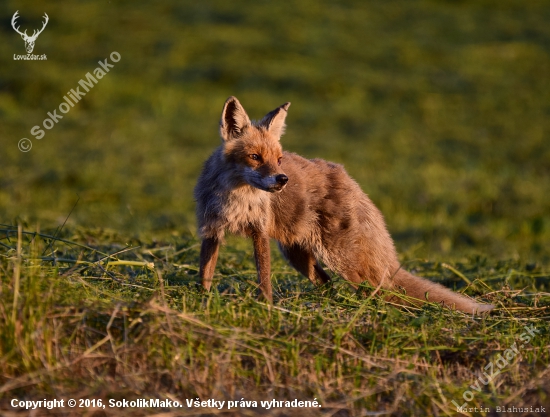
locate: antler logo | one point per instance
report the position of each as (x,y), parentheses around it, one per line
(29,40)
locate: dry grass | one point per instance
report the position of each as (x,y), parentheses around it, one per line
(81,328)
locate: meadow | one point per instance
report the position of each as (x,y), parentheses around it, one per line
(440,110)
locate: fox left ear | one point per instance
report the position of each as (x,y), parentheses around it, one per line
(234,119)
(274,121)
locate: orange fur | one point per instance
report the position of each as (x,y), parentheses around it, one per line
(313,208)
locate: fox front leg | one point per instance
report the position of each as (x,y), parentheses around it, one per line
(263,263)
(209,255)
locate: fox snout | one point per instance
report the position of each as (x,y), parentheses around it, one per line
(281,179)
(280,182)
(270,183)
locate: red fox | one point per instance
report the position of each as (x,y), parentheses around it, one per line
(312,208)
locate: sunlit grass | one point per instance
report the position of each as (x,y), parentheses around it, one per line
(135,324)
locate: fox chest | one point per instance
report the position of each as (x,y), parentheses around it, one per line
(244,210)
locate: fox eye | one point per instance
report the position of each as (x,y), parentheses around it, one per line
(279,160)
(254,156)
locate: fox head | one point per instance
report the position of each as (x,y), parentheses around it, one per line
(254,148)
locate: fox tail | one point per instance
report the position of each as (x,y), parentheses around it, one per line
(422,289)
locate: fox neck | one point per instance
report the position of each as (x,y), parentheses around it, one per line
(243,207)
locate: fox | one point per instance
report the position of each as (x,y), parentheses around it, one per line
(317,213)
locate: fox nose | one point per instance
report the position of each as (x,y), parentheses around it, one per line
(281,179)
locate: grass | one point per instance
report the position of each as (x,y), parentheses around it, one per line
(439,110)
(78,323)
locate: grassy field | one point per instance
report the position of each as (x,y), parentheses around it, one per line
(439,109)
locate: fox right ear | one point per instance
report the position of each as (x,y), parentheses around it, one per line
(274,121)
(234,119)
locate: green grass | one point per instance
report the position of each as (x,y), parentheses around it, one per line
(135,325)
(440,111)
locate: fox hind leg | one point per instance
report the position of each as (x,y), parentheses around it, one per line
(305,263)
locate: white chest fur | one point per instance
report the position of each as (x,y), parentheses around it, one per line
(246,207)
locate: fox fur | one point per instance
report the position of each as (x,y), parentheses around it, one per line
(312,208)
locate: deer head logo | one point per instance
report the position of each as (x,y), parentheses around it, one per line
(29,40)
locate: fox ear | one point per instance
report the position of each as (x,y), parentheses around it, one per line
(274,121)
(234,119)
